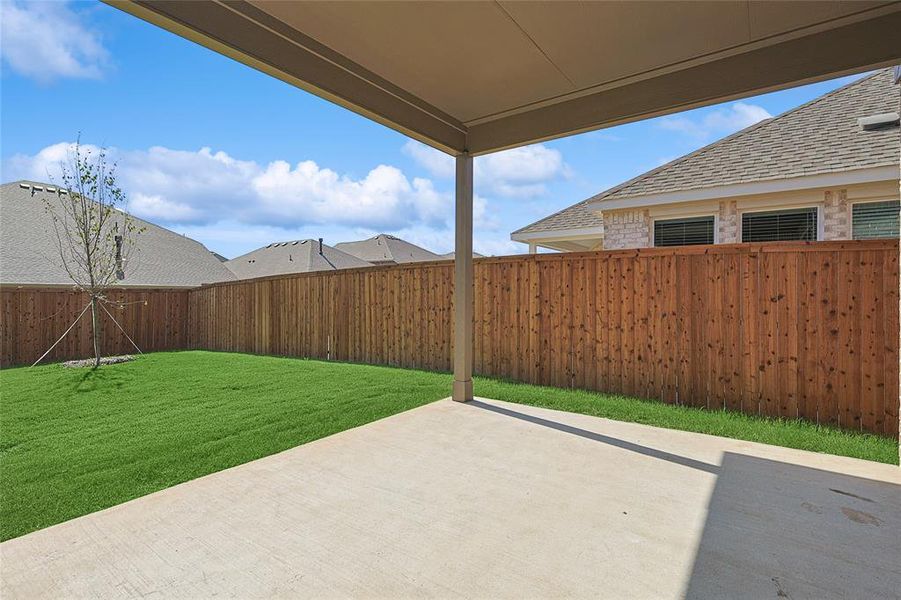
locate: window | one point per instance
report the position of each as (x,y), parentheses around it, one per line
(780,225)
(875,219)
(683,232)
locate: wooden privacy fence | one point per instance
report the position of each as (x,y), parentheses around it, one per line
(792,329)
(399,315)
(789,330)
(34,318)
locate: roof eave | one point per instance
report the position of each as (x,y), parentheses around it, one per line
(819,180)
(558,234)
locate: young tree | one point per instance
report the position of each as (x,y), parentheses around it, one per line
(94,238)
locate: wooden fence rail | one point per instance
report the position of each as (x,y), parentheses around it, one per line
(34,318)
(791,330)
(804,330)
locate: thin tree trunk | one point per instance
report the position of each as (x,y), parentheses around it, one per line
(95,320)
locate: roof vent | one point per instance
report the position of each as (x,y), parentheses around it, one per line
(294,243)
(878,121)
(24,186)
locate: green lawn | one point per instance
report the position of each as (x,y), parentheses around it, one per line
(73,441)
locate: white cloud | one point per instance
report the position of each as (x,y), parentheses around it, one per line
(48,40)
(158,208)
(436,162)
(203,187)
(235,205)
(721,121)
(517,173)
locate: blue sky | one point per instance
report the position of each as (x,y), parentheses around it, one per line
(236,159)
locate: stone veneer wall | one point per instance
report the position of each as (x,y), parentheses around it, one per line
(836,215)
(727,230)
(627,229)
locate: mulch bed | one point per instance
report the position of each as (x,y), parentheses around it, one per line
(106,360)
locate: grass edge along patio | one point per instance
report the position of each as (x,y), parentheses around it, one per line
(86,440)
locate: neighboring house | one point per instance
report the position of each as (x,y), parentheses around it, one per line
(827,170)
(387,250)
(298,256)
(29,254)
(450,255)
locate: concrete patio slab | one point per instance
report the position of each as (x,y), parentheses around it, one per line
(490,499)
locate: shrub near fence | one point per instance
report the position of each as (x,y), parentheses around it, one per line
(804,330)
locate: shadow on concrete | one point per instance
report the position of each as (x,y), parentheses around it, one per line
(598,437)
(780,530)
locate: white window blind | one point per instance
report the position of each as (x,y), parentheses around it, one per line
(779,225)
(683,232)
(875,219)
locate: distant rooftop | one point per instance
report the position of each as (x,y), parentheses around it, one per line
(387,249)
(29,255)
(296,256)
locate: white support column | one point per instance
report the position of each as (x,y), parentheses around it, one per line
(463,286)
(533,248)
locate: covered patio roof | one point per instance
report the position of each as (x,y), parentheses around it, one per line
(483,76)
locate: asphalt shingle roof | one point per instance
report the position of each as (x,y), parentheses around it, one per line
(821,136)
(387,248)
(299,256)
(29,255)
(577,216)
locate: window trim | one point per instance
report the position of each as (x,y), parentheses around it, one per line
(821,225)
(681,217)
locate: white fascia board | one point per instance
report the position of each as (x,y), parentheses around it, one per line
(558,234)
(823,180)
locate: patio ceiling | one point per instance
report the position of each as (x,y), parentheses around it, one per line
(484,76)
